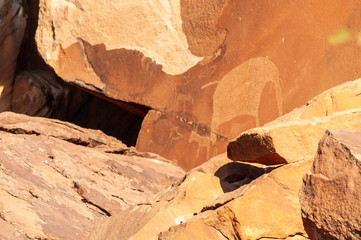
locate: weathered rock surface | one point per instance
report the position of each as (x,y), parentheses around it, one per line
(289,141)
(343,97)
(330,194)
(218,200)
(267,208)
(12,27)
(40,93)
(58,180)
(37,93)
(209,69)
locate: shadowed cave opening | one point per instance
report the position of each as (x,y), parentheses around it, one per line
(66,102)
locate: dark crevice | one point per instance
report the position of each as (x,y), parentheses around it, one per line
(69,102)
(236,174)
(19,131)
(97,206)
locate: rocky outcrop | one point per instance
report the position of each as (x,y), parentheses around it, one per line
(59,180)
(330,194)
(208,69)
(289,141)
(220,199)
(295,135)
(12,27)
(343,97)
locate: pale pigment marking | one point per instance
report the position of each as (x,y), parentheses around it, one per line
(153,27)
(239,92)
(203,142)
(209,84)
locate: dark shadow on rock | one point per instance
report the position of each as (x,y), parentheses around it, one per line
(236,174)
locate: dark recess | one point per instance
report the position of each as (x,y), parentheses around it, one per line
(81,108)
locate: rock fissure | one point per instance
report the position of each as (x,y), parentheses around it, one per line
(85,200)
(289,236)
(122,199)
(19,131)
(210,225)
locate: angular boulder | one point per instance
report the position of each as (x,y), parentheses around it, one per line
(58,180)
(267,208)
(12,27)
(289,141)
(330,194)
(208,69)
(220,199)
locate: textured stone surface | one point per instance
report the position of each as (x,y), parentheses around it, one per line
(41,93)
(12,27)
(340,98)
(330,194)
(38,93)
(289,141)
(220,67)
(220,199)
(58,180)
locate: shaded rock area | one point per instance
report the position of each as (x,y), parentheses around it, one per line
(12,27)
(29,86)
(40,93)
(58,180)
(330,194)
(208,69)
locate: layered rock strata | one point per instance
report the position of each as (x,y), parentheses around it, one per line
(59,180)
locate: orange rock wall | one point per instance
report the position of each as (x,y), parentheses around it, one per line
(230,65)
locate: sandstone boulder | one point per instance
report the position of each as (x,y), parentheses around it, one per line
(220,199)
(12,27)
(330,194)
(290,141)
(208,69)
(57,180)
(267,208)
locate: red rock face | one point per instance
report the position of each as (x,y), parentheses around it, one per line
(208,69)
(12,27)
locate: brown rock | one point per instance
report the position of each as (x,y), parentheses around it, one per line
(199,188)
(290,141)
(330,194)
(12,27)
(266,208)
(218,200)
(37,93)
(220,67)
(58,180)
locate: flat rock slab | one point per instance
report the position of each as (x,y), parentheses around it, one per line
(58,180)
(330,194)
(289,141)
